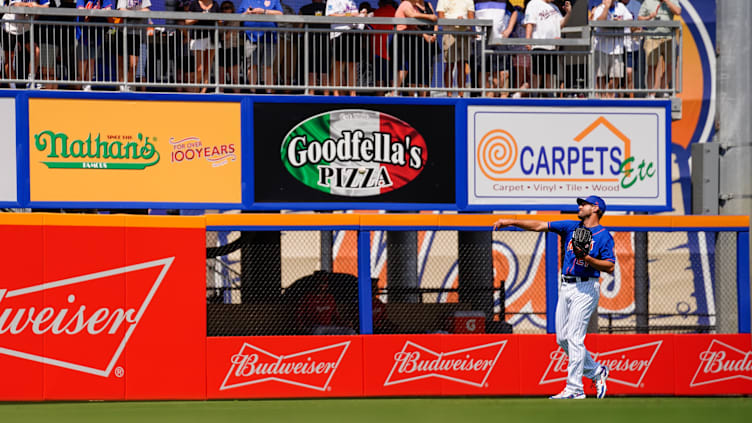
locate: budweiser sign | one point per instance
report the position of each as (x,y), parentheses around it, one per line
(312,369)
(628,365)
(470,366)
(721,362)
(81,323)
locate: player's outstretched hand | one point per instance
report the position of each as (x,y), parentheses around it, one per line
(503,223)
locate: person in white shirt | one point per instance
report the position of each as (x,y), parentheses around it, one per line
(609,46)
(345,47)
(498,66)
(543,21)
(130,46)
(455,47)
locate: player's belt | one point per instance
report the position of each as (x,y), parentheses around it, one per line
(573,279)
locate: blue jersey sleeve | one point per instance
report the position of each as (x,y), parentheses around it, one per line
(562,227)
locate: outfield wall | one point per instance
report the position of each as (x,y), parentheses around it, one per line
(114,307)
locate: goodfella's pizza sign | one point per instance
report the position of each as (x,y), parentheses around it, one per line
(354,153)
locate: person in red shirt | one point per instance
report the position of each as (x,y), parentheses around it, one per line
(382,69)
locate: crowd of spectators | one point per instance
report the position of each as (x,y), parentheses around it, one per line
(627,58)
(342,59)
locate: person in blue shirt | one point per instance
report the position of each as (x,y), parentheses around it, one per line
(89,41)
(579,290)
(263,43)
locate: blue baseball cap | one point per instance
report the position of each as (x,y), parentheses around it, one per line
(595,200)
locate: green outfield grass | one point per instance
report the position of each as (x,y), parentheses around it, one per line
(432,410)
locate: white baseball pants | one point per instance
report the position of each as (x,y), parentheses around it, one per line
(577,301)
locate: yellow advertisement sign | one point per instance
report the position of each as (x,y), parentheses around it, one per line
(134,151)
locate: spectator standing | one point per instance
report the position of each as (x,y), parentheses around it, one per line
(89,41)
(202,41)
(286,68)
(634,58)
(345,46)
(520,74)
(319,57)
(409,46)
(229,55)
(658,45)
(50,38)
(130,46)
(185,63)
(421,70)
(382,68)
(543,21)
(455,47)
(16,39)
(498,64)
(609,46)
(262,44)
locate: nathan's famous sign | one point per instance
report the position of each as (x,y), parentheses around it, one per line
(354,153)
(97,153)
(131,151)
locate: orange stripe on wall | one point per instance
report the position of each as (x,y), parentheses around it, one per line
(290,219)
(21,219)
(430,221)
(165,221)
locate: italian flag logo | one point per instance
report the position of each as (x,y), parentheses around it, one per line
(354,153)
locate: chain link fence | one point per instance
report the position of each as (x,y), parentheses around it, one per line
(676,290)
(303,282)
(271,283)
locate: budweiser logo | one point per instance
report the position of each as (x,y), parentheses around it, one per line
(722,362)
(628,365)
(79,333)
(470,366)
(312,369)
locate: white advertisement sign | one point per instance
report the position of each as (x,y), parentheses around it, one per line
(8,150)
(544,157)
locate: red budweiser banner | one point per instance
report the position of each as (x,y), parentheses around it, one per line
(713,364)
(401,365)
(101,312)
(639,364)
(269,367)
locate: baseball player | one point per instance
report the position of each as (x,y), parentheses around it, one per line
(589,251)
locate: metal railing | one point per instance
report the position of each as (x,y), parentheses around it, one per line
(95,49)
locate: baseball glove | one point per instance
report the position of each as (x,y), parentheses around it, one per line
(581,239)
